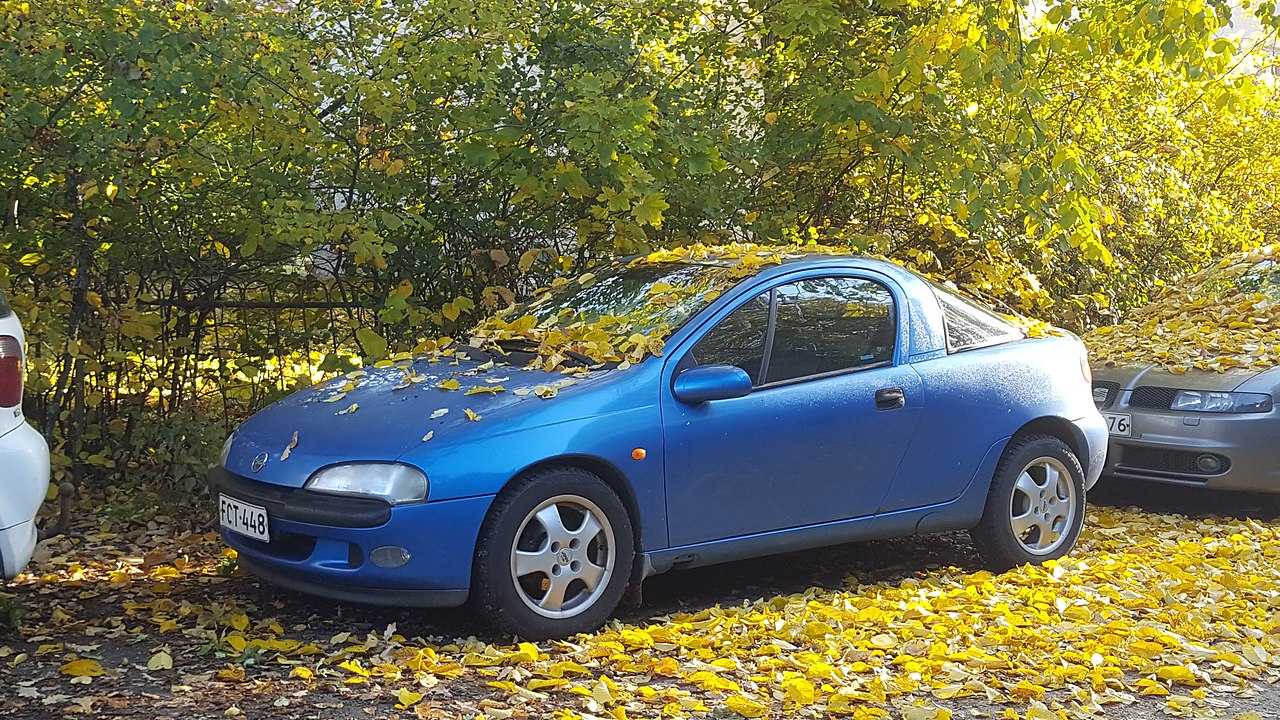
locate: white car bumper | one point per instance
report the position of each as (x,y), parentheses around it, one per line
(23,485)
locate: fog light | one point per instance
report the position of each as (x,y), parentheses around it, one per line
(389,556)
(1209,463)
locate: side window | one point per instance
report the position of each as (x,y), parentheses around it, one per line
(738,339)
(829,324)
(969,326)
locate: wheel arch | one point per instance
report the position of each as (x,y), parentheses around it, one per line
(607,472)
(1064,430)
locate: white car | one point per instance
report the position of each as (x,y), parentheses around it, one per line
(24,456)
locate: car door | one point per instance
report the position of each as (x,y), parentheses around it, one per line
(822,433)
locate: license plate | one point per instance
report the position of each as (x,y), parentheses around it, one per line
(1118,423)
(241,517)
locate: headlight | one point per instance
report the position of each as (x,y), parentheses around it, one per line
(226,450)
(1221,402)
(392,482)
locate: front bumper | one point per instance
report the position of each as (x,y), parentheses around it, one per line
(320,544)
(1165,445)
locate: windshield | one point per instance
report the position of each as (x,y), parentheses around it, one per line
(620,312)
(648,298)
(1261,277)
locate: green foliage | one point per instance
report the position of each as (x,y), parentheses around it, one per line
(207,205)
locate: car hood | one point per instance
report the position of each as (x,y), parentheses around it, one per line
(1131,376)
(380,414)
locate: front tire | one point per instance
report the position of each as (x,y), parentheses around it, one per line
(1035,508)
(554,556)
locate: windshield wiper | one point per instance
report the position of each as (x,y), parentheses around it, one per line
(531,346)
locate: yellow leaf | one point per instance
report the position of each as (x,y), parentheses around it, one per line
(406,698)
(1178,674)
(472,415)
(566,667)
(450,384)
(884,641)
(745,706)
(354,666)
(231,673)
(82,668)
(800,691)
(160,661)
(708,680)
(527,653)
(350,409)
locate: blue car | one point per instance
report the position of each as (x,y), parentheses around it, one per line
(678,410)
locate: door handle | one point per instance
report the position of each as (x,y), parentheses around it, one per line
(890,398)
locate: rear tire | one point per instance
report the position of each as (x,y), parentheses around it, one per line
(1035,507)
(554,556)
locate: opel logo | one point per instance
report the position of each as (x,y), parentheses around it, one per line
(259,461)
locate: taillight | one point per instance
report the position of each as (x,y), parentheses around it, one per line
(10,371)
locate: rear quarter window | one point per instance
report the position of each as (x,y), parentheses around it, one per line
(970,326)
(5,310)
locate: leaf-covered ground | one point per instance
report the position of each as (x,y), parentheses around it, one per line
(1157,612)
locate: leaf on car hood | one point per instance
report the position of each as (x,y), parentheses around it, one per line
(289,448)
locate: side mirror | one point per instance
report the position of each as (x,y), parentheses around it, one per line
(711,382)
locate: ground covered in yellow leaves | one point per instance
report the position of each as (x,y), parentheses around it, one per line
(1155,613)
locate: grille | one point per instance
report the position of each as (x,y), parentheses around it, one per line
(1150,396)
(1171,461)
(1104,393)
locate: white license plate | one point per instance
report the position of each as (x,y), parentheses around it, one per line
(238,516)
(1118,423)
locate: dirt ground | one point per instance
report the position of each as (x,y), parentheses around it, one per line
(88,617)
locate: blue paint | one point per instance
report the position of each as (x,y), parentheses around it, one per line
(784,466)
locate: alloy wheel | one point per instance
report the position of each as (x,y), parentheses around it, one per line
(563,556)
